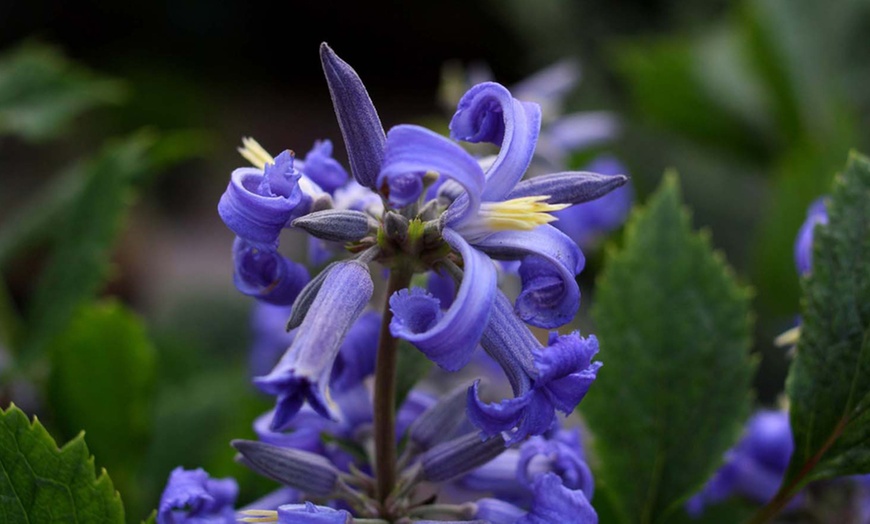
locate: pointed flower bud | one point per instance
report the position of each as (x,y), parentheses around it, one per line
(304,370)
(335,224)
(357,117)
(298,469)
(573,187)
(459,456)
(439,422)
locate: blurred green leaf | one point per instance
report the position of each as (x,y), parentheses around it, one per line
(41,92)
(674,329)
(102,377)
(829,382)
(678,84)
(80,259)
(41,483)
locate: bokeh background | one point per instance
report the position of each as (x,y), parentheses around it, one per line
(755,103)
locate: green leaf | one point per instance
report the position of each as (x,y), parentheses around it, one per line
(412,366)
(829,382)
(41,483)
(102,375)
(80,259)
(673,393)
(41,92)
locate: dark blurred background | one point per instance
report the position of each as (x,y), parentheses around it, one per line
(755,103)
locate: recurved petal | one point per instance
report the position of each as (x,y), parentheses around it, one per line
(550,295)
(497,417)
(256,210)
(412,151)
(357,117)
(488,113)
(553,502)
(448,339)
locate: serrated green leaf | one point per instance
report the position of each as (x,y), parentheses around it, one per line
(80,259)
(43,484)
(829,382)
(102,375)
(674,328)
(41,92)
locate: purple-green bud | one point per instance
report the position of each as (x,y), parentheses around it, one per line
(335,225)
(298,469)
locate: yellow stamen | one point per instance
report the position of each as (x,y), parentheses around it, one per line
(254,153)
(523,214)
(259,515)
(788,338)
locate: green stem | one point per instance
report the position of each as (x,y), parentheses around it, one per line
(385,391)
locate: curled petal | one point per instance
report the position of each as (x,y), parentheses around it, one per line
(255,207)
(263,273)
(510,343)
(324,170)
(488,113)
(550,296)
(357,117)
(495,418)
(497,511)
(441,286)
(448,339)
(415,151)
(561,455)
(304,370)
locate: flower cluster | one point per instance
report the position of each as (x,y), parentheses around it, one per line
(417,204)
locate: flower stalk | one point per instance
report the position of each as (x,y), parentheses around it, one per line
(385,390)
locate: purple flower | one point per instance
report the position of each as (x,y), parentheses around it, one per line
(259,203)
(322,169)
(543,380)
(754,468)
(271,338)
(304,370)
(192,497)
(803,246)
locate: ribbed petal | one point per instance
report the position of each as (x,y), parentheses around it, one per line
(510,343)
(292,467)
(324,170)
(263,273)
(488,113)
(304,370)
(562,456)
(357,117)
(550,296)
(448,339)
(256,210)
(356,359)
(414,151)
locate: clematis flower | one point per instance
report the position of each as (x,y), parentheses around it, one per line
(544,380)
(483,223)
(192,497)
(304,370)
